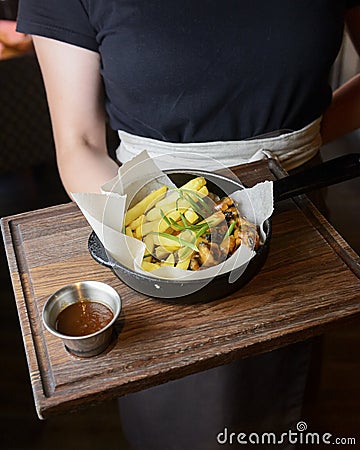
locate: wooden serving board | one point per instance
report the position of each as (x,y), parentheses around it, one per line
(309,283)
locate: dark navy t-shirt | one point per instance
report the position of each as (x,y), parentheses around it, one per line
(202,70)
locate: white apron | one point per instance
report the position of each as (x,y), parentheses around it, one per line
(293,148)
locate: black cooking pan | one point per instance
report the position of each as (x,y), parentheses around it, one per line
(325,174)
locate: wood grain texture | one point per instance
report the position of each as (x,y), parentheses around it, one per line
(309,283)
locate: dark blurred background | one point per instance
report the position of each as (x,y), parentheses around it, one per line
(8,9)
(29,180)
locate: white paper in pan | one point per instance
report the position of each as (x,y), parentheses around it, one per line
(105,213)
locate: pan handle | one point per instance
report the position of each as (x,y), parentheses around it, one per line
(325,174)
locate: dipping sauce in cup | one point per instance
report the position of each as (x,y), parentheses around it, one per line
(82,315)
(83,318)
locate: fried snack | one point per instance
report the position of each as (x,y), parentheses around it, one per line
(139,209)
(189,228)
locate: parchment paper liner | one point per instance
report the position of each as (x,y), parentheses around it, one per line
(105,213)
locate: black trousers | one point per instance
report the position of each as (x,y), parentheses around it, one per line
(262,393)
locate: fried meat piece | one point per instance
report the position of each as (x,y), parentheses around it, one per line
(215,246)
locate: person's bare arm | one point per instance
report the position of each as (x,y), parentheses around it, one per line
(343,115)
(75,97)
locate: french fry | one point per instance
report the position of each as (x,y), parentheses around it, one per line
(196,184)
(155,212)
(148,227)
(169,204)
(184,253)
(140,208)
(161,253)
(183,264)
(164,223)
(170,261)
(203,192)
(128,232)
(149,266)
(149,243)
(191,216)
(138,232)
(137,222)
(166,243)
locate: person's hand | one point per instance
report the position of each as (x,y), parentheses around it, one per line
(13,43)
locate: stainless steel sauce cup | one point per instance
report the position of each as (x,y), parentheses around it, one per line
(92,344)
